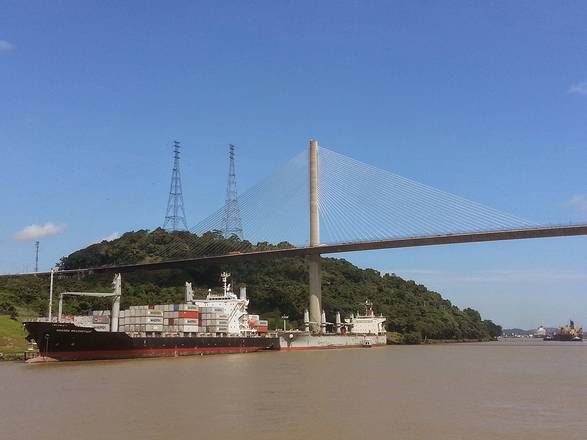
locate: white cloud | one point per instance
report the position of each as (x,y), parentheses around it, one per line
(579,202)
(111,237)
(5,46)
(37,231)
(579,89)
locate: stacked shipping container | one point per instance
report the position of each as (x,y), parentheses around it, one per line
(213,320)
(140,319)
(168,320)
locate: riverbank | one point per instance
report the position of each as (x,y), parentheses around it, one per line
(12,337)
(394,338)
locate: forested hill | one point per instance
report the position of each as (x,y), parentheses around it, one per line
(275,287)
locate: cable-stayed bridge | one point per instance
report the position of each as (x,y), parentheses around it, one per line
(351,206)
(357,207)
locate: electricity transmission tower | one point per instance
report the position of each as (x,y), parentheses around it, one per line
(175,216)
(232,216)
(36,256)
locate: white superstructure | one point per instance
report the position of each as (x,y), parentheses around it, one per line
(367,324)
(226,309)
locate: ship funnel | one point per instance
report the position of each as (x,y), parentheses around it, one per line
(117,290)
(306,320)
(189,293)
(243,292)
(337,321)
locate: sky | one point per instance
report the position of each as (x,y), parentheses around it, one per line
(487,100)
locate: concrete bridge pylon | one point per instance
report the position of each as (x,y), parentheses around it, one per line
(314,259)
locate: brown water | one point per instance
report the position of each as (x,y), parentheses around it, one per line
(460,391)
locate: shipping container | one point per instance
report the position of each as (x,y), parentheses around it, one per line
(183,307)
(182,321)
(188,314)
(217,329)
(188,328)
(101,319)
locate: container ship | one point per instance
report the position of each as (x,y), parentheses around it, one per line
(217,324)
(567,333)
(220,323)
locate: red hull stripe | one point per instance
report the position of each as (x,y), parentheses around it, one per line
(149,352)
(328,347)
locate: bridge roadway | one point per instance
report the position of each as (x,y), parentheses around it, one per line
(430,240)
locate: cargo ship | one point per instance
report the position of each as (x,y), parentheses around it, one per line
(217,324)
(220,323)
(567,333)
(360,330)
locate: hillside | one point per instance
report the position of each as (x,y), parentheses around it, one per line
(275,287)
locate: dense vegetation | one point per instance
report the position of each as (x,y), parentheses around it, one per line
(275,287)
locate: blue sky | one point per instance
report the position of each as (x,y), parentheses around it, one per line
(485,100)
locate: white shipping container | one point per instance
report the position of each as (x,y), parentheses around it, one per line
(153,328)
(101,327)
(209,309)
(153,320)
(215,322)
(83,321)
(187,321)
(188,328)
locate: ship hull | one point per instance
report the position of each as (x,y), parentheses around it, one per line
(294,341)
(67,342)
(567,338)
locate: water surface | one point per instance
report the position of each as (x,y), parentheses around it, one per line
(457,391)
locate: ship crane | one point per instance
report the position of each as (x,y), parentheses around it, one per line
(115,294)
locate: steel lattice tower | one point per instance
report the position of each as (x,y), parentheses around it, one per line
(36,256)
(232,216)
(175,216)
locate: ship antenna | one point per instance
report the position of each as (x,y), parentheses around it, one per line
(225,276)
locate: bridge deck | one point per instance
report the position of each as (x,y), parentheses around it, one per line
(433,240)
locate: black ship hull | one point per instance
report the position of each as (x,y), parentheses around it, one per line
(67,342)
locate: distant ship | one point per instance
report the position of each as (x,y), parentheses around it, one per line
(566,333)
(540,332)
